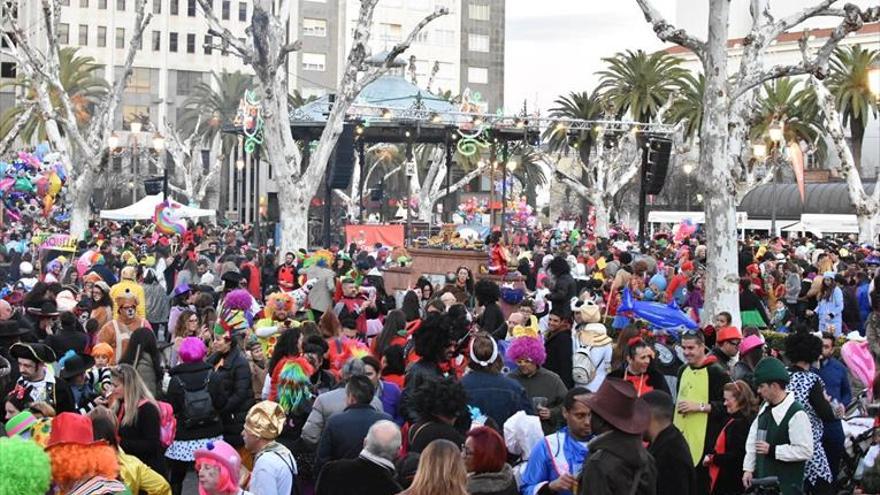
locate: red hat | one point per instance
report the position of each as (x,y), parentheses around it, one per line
(687,266)
(72,428)
(728,333)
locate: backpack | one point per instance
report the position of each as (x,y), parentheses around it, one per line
(198,408)
(582,368)
(167,423)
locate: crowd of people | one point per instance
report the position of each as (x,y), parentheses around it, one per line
(142,359)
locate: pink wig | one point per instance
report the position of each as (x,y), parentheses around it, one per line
(226,484)
(192,350)
(527,348)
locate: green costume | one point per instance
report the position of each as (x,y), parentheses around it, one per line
(790,474)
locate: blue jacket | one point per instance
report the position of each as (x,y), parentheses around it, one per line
(830,312)
(497,396)
(836,378)
(343,437)
(863,294)
(389,394)
(558,453)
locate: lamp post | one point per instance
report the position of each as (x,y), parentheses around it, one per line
(776,131)
(132,147)
(688,169)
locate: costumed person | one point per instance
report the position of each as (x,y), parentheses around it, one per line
(279,314)
(219,468)
(544,388)
(639,369)
(33,360)
(128,285)
(229,362)
(499,256)
(555,463)
(117,332)
(592,356)
(286,274)
(24,468)
(98,376)
(356,305)
(275,469)
(81,465)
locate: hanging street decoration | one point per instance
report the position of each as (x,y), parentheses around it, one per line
(249,117)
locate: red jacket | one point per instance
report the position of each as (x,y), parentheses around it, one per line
(253,279)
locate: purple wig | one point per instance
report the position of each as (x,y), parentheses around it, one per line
(527,348)
(192,350)
(238,299)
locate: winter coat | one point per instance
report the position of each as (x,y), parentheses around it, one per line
(497,396)
(559,353)
(564,288)
(68,338)
(233,393)
(192,376)
(158,305)
(343,438)
(830,312)
(356,476)
(544,383)
(141,438)
(616,461)
(325,406)
(730,462)
(499,483)
(673,459)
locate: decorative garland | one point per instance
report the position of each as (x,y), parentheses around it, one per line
(250,118)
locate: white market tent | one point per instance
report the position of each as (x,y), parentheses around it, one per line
(146,207)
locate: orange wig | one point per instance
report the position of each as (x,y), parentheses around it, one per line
(72,463)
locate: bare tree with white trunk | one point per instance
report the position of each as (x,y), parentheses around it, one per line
(265,50)
(429,189)
(80,146)
(190,172)
(728,105)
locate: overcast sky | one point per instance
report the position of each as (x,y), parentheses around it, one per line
(556,46)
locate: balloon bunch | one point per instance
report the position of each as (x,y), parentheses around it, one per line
(166,220)
(30,186)
(520,214)
(685,229)
(469,211)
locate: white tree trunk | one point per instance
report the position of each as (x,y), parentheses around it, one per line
(722,270)
(603,216)
(295,224)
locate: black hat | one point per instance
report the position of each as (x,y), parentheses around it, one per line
(231,277)
(40,353)
(12,328)
(48,308)
(75,365)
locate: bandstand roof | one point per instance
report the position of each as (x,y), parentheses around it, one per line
(827,198)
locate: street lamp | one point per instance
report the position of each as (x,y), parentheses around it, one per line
(511,166)
(113,141)
(136,127)
(759,151)
(239,164)
(688,169)
(776,131)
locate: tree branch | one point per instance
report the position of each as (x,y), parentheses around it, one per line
(463,181)
(667,32)
(575,184)
(795,19)
(20,121)
(401,47)
(218,29)
(287,49)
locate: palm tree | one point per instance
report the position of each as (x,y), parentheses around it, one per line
(208,110)
(81,78)
(297,100)
(639,83)
(848,82)
(689,105)
(582,106)
(787,101)
(529,171)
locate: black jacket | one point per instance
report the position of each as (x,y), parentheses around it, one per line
(233,393)
(141,438)
(564,288)
(192,376)
(344,433)
(655,379)
(673,459)
(615,462)
(355,477)
(559,351)
(492,321)
(730,463)
(68,339)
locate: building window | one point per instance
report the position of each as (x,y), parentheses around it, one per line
(187,81)
(175,7)
(389,32)
(134,113)
(478,12)
(478,42)
(7,70)
(478,75)
(157,41)
(157,7)
(83,4)
(314,27)
(242,11)
(120,5)
(140,81)
(209,40)
(226,7)
(102,4)
(63,33)
(190,43)
(422,37)
(314,61)
(172,42)
(444,37)
(191,8)
(102,36)
(83,35)
(120,38)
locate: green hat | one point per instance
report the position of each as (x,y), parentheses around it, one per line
(770,370)
(20,423)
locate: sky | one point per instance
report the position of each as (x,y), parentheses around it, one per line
(556,46)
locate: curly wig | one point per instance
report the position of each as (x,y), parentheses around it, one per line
(802,346)
(486,292)
(559,266)
(72,463)
(278,300)
(192,349)
(25,467)
(439,397)
(432,337)
(527,348)
(238,299)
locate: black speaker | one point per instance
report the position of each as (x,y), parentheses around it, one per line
(343,164)
(656,163)
(376,193)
